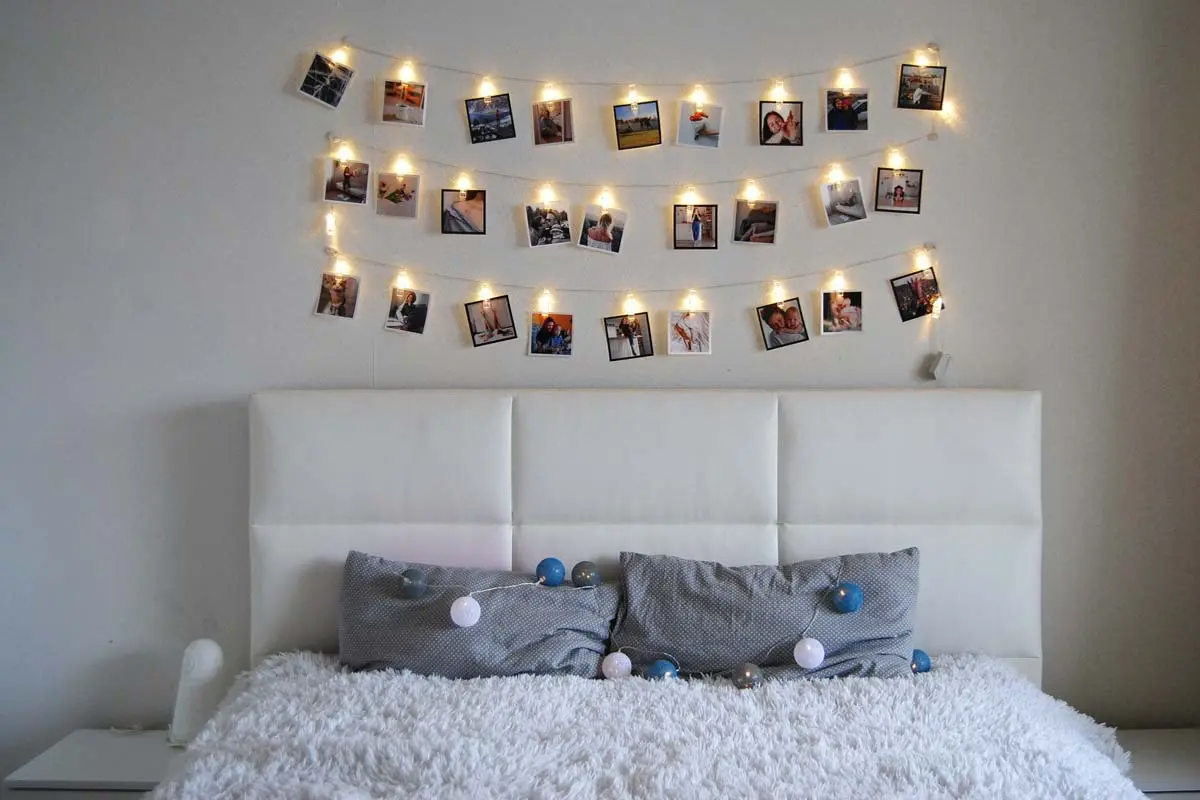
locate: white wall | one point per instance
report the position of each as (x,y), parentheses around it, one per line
(161,246)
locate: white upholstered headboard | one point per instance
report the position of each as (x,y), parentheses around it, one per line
(502,479)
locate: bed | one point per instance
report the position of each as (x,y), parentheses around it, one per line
(501,479)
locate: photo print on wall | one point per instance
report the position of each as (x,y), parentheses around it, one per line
(921,88)
(754,222)
(898,191)
(689,333)
(699,126)
(780,123)
(916,293)
(326,81)
(550,334)
(338,296)
(407,310)
(628,336)
(781,323)
(841,312)
(347,181)
(403,102)
(553,122)
(695,227)
(490,119)
(843,202)
(490,321)
(464,211)
(398,195)
(603,229)
(846,110)
(547,224)
(637,125)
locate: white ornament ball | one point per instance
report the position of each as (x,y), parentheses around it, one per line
(809,653)
(616,665)
(465,611)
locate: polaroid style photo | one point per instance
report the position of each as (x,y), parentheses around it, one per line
(841,312)
(491,321)
(603,229)
(781,324)
(628,336)
(754,222)
(553,122)
(338,296)
(780,123)
(326,81)
(637,125)
(403,102)
(347,181)
(845,110)
(464,211)
(843,202)
(699,126)
(547,224)
(398,195)
(490,119)
(695,227)
(550,334)
(689,333)
(898,190)
(916,293)
(921,88)
(407,311)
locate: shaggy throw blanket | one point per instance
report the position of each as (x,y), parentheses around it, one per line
(301,727)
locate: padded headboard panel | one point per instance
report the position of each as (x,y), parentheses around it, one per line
(504,478)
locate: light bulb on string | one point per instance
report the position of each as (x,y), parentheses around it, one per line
(330,223)
(752,193)
(407,74)
(550,92)
(545,302)
(464,182)
(344,151)
(631,304)
(487,88)
(778,94)
(402,280)
(949,112)
(689,196)
(341,266)
(402,166)
(937,306)
(838,282)
(923,259)
(845,81)
(692,301)
(632,98)
(895,158)
(699,97)
(777,293)
(340,56)
(485,291)
(546,194)
(836,175)
(605,200)
(929,55)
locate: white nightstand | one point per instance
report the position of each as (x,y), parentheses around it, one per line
(1166,763)
(96,765)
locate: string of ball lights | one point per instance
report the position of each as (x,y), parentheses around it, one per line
(927,54)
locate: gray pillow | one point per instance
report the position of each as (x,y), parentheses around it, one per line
(531,629)
(711,618)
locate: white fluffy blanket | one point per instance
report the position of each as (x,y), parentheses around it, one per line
(300,727)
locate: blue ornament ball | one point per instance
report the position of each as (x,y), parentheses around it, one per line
(847,598)
(661,670)
(413,583)
(585,573)
(920,661)
(551,571)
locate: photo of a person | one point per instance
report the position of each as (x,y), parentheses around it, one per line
(699,126)
(407,311)
(843,202)
(398,195)
(628,336)
(781,324)
(921,88)
(347,181)
(689,333)
(326,81)
(403,103)
(603,229)
(754,222)
(781,123)
(898,190)
(490,119)
(550,335)
(695,227)
(552,122)
(547,225)
(841,312)
(491,321)
(464,211)
(637,125)
(916,293)
(338,296)
(846,110)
